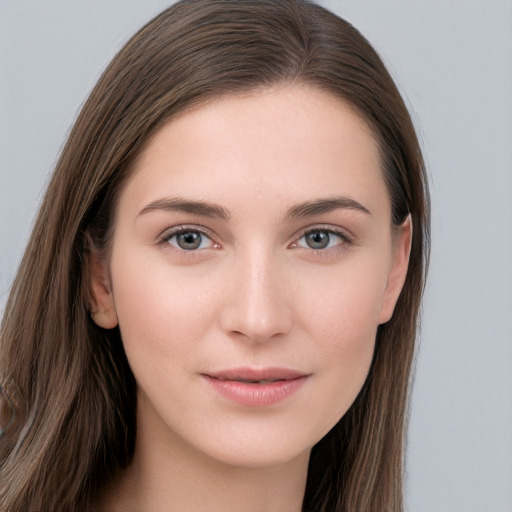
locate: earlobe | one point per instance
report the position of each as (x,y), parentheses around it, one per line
(102,306)
(398,272)
(107,318)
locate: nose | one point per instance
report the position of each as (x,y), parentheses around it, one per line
(257,306)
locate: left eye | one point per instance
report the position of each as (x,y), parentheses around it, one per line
(320,239)
(190,240)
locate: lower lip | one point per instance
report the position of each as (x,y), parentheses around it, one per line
(254,394)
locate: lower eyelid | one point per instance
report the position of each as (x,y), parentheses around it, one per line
(173,232)
(344,239)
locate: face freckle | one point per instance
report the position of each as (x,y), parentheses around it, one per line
(249,178)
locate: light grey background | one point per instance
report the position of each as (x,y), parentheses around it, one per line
(453,60)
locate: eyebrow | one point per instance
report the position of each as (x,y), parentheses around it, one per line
(179,204)
(324,205)
(298,211)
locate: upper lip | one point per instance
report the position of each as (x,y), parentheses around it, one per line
(256,374)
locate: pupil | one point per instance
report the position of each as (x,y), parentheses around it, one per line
(317,240)
(189,240)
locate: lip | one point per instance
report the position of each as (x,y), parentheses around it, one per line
(256,387)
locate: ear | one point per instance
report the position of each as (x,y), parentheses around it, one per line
(402,239)
(103,311)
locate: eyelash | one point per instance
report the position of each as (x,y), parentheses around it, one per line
(172,232)
(346,240)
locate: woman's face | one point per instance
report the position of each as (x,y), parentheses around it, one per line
(252,260)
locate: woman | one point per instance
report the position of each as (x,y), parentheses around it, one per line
(218,304)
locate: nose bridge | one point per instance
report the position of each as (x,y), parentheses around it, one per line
(258,306)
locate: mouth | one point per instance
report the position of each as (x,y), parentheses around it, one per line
(250,381)
(257,376)
(256,387)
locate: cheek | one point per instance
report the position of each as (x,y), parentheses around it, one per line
(159,309)
(347,339)
(344,313)
(344,326)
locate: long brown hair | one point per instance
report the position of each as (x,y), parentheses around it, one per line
(72,391)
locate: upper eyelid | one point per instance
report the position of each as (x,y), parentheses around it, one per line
(180,228)
(169,232)
(337,230)
(343,241)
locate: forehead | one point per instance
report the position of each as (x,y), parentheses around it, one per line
(289,143)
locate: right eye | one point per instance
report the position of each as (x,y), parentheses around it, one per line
(189,240)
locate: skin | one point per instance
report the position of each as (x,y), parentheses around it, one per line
(253,294)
